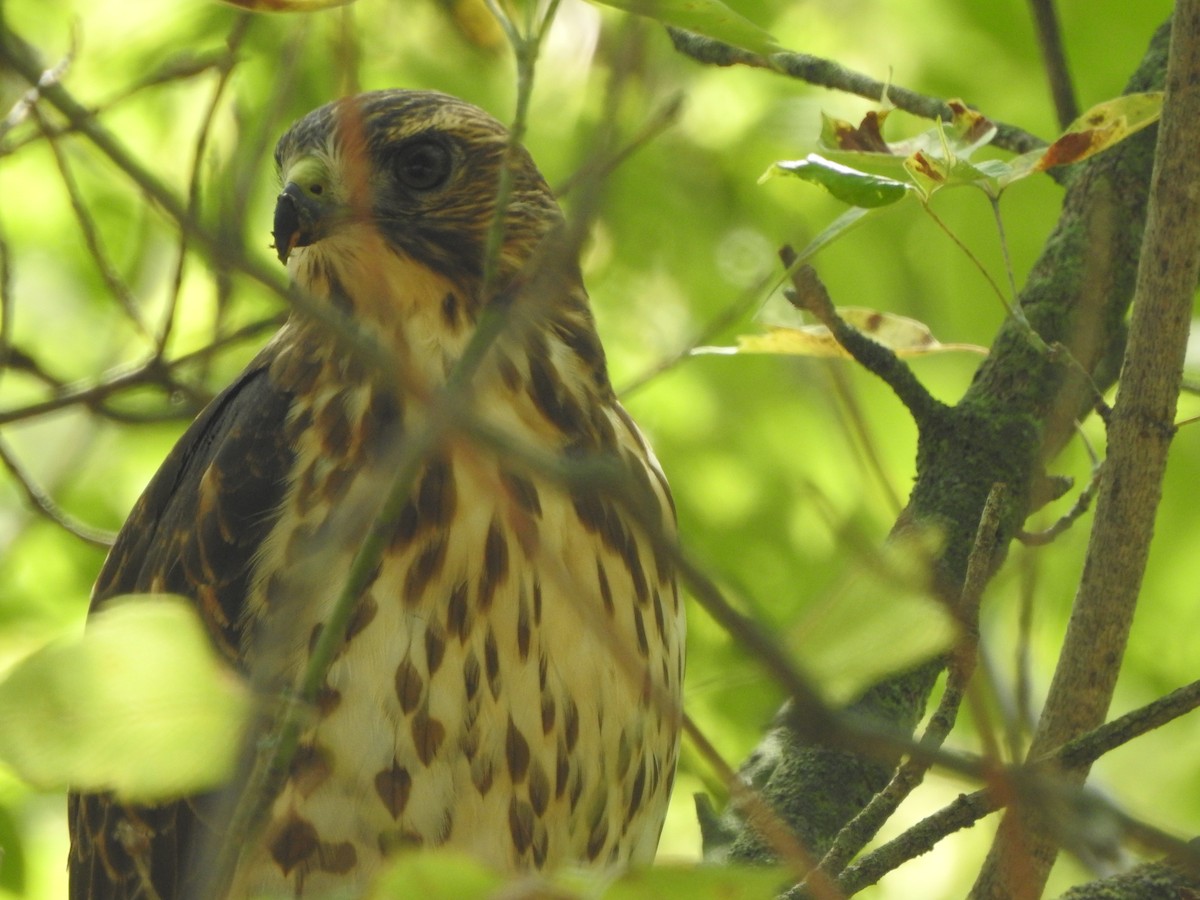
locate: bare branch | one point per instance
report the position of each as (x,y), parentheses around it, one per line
(828,74)
(44,504)
(810,295)
(863,827)
(968,809)
(1054,57)
(1140,433)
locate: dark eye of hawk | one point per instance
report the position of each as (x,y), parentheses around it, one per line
(423,164)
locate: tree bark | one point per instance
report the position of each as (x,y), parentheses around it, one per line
(1140,432)
(1016,415)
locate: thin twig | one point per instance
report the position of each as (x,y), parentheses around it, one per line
(6,304)
(810,295)
(91,234)
(858,433)
(1082,504)
(1054,57)
(968,809)
(600,168)
(224,65)
(863,827)
(152,371)
(44,504)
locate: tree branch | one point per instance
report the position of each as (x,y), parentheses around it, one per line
(828,74)
(1017,413)
(1140,432)
(968,809)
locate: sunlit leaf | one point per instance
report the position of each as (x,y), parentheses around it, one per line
(849,185)
(969,129)
(1100,128)
(139,704)
(904,336)
(437,875)
(710,18)
(699,883)
(939,157)
(289,6)
(883,619)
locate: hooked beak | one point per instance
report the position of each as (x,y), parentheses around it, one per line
(300,220)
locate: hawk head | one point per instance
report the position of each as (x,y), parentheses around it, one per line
(415,171)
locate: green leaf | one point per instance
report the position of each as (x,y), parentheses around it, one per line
(12,855)
(436,875)
(700,883)
(839,227)
(138,704)
(849,185)
(883,619)
(710,18)
(903,336)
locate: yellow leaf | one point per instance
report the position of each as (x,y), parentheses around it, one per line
(903,336)
(1102,126)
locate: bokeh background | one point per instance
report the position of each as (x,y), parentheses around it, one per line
(768,456)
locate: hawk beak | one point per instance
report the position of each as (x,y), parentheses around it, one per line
(298,219)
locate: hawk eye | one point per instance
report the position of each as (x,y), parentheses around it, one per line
(423,165)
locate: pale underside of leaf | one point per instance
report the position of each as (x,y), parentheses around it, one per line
(904,336)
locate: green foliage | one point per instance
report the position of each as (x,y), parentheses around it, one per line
(137,704)
(708,17)
(444,875)
(857,166)
(774,460)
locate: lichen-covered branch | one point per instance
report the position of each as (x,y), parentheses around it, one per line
(1016,415)
(1140,431)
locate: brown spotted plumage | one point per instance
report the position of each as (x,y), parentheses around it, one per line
(509,680)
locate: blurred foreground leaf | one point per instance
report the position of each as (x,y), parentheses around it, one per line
(883,619)
(711,18)
(699,883)
(138,704)
(449,875)
(436,875)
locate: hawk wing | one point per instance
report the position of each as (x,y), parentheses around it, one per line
(195,531)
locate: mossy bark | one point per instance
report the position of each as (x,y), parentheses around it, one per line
(1015,416)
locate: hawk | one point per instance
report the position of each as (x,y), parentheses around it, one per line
(509,680)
